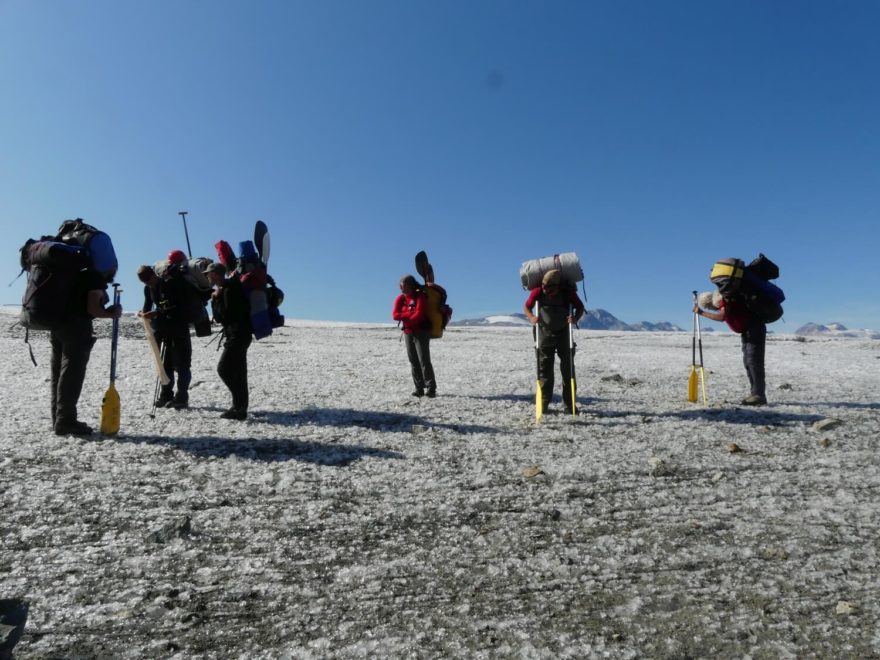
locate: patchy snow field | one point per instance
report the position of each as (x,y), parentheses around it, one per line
(347,519)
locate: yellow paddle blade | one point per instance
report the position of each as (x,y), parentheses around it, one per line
(703,383)
(573,397)
(110,411)
(692,386)
(539,402)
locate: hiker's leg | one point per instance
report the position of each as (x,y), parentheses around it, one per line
(546,377)
(56,341)
(233,371)
(243,390)
(753,342)
(423,351)
(76,347)
(182,355)
(167,392)
(414,364)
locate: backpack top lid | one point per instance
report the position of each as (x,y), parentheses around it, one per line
(724,268)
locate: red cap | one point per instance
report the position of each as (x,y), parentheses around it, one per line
(176,257)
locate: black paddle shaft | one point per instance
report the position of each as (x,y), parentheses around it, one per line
(189,251)
(694,336)
(700,340)
(114,343)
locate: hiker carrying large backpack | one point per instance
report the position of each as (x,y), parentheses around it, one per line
(179,305)
(68,274)
(245,301)
(411,310)
(553,308)
(230,308)
(746,300)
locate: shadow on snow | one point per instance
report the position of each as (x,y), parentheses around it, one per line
(269,450)
(530,398)
(753,416)
(837,404)
(368,419)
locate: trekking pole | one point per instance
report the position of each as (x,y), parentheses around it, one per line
(571,365)
(189,251)
(702,370)
(692,377)
(155,398)
(539,402)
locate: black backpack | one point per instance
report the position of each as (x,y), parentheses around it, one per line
(274,298)
(751,285)
(51,267)
(52,263)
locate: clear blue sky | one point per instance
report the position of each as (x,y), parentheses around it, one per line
(651,138)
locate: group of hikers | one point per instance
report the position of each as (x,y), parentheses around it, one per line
(168,306)
(172,305)
(553,308)
(69,275)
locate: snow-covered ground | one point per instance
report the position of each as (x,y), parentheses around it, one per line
(347,519)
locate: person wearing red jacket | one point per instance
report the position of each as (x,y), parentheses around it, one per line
(411,310)
(558,309)
(753,332)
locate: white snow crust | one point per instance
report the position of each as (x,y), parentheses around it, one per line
(347,519)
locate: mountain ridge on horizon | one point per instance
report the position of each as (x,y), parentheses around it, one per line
(594,319)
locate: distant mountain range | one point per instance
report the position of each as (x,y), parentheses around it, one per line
(594,319)
(834,330)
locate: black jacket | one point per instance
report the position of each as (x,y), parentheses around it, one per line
(231,308)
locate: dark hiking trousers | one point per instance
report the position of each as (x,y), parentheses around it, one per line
(71,348)
(178,349)
(753,341)
(233,369)
(553,344)
(167,364)
(418,350)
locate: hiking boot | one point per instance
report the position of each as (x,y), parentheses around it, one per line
(754,400)
(72,428)
(234,413)
(418,392)
(178,404)
(431,393)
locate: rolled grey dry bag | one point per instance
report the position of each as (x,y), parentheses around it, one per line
(532,272)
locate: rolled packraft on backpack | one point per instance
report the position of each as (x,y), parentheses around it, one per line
(531,273)
(751,285)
